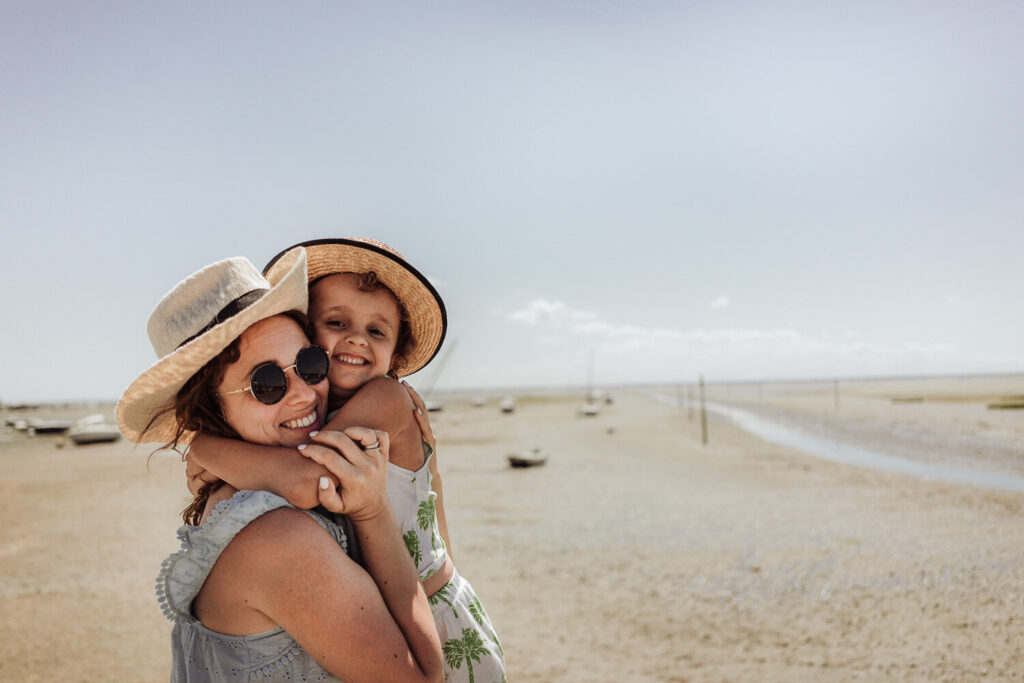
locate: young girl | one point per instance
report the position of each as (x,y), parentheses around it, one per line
(378,319)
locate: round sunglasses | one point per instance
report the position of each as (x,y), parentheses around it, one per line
(268,383)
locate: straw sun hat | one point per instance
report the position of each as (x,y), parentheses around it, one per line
(197,320)
(428,320)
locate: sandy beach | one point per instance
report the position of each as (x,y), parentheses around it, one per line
(635,554)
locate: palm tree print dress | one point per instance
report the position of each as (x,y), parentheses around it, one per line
(472,652)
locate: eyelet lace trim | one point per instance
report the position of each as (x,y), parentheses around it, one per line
(284,660)
(183,573)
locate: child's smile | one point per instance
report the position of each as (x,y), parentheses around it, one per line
(358,329)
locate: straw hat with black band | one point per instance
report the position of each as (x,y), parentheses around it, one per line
(428,320)
(197,320)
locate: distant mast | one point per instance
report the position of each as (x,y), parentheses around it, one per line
(432,405)
(590,377)
(589,407)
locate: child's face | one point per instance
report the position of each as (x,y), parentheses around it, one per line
(357,329)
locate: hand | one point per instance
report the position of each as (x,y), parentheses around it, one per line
(362,471)
(198,476)
(421,416)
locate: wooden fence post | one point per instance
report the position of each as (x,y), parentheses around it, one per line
(703,415)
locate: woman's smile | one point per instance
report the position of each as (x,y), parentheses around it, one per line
(302,422)
(300,411)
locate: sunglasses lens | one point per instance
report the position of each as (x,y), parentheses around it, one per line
(268,384)
(312,364)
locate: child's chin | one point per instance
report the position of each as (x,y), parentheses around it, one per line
(347,383)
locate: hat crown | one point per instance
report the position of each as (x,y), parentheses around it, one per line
(195,302)
(427,320)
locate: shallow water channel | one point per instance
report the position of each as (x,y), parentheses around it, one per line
(838,451)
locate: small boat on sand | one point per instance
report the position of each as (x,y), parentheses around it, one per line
(1007,403)
(48,426)
(93,429)
(531,458)
(508,404)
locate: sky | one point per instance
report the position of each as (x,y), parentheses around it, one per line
(615,192)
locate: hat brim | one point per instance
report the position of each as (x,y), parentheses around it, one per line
(428,320)
(145,412)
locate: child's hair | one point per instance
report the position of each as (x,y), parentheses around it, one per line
(197,411)
(369,282)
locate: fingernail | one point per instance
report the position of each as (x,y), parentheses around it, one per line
(419,411)
(325,483)
(314,433)
(405,383)
(302,447)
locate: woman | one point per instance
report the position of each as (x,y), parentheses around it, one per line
(262,589)
(377,315)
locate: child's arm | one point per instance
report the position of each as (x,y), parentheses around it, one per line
(283,471)
(383,404)
(426,431)
(224,492)
(255,467)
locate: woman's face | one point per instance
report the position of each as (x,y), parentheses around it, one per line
(289,421)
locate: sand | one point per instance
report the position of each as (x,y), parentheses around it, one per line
(635,554)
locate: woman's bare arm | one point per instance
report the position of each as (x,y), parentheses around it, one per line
(300,579)
(385,554)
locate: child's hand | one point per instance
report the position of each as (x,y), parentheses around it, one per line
(421,416)
(197,476)
(358,457)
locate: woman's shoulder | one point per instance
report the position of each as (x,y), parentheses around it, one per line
(260,521)
(282,532)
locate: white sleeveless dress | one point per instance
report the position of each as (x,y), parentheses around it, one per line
(471,647)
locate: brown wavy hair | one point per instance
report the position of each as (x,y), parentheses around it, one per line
(198,411)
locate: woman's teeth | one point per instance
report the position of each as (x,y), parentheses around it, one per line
(301,422)
(352,361)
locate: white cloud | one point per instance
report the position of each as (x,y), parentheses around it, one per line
(549,312)
(632,353)
(721,302)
